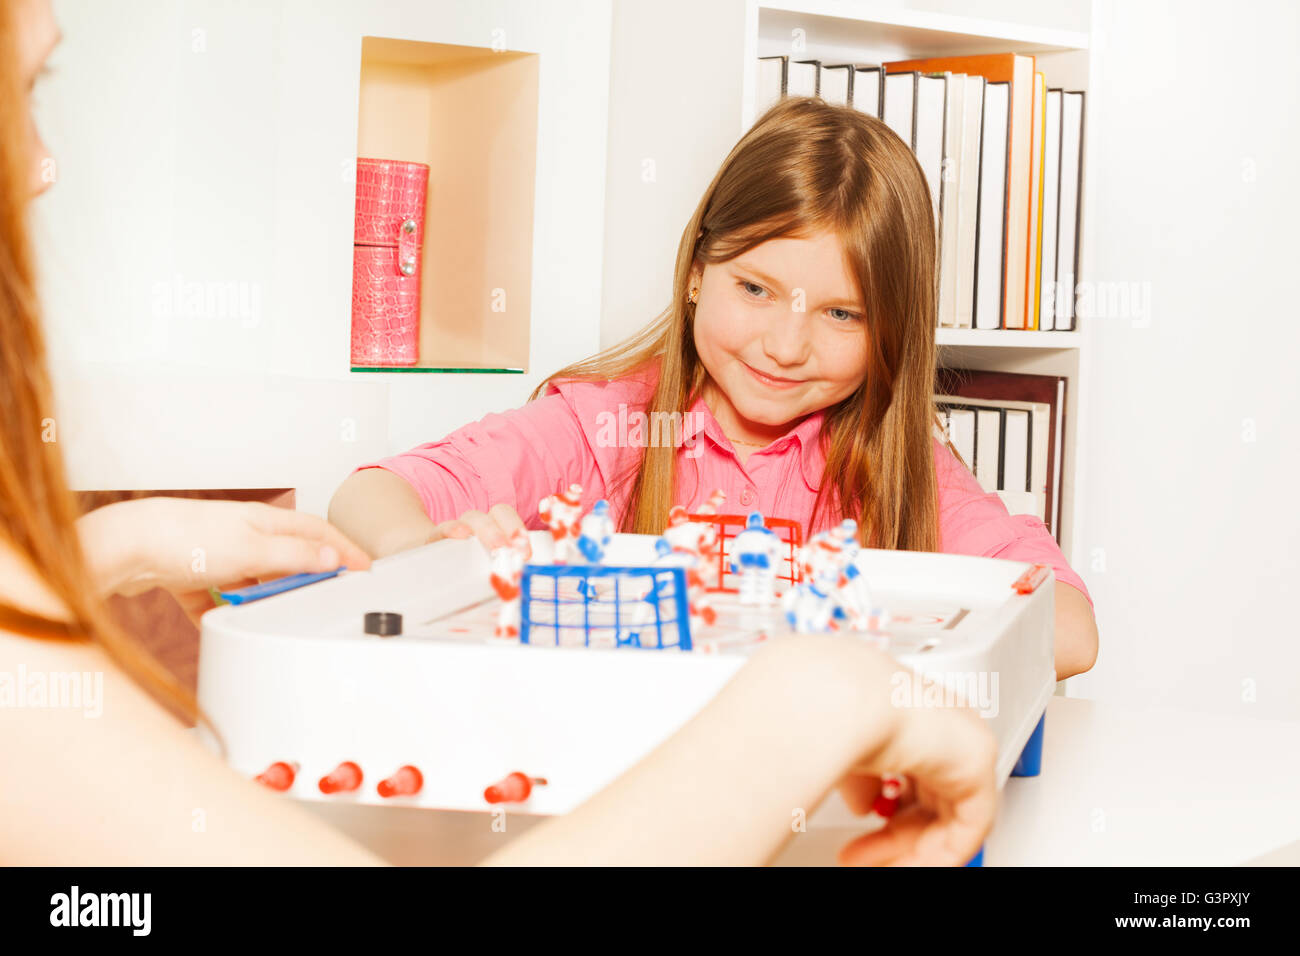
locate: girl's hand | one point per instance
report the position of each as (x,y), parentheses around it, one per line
(493,528)
(946,758)
(187,546)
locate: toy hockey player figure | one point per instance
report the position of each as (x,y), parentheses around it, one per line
(597,532)
(692,542)
(754,556)
(853,590)
(507,569)
(710,546)
(823,560)
(810,610)
(561,513)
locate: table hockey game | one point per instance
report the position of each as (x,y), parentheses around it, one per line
(388,686)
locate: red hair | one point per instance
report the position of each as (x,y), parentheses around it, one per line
(37,511)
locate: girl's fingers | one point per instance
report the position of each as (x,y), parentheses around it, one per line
(455,528)
(916,837)
(859,792)
(312,528)
(508,520)
(485,529)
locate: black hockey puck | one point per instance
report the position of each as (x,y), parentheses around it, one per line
(383,623)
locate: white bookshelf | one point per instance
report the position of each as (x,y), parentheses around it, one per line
(687,120)
(841,31)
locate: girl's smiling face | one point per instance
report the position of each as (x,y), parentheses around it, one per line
(782,333)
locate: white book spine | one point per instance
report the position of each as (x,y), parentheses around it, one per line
(992,207)
(771,82)
(988,448)
(1067,224)
(953,133)
(835,84)
(968,191)
(1051,201)
(866,91)
(900,104)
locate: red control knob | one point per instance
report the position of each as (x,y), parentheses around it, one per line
(278,776)
(344,778)
(407,781)
(514,788)
(887,802)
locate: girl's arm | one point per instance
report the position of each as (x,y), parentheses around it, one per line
(381,512)
(512,459)
(1076,632)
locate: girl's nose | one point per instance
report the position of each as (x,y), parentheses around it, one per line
(786,341)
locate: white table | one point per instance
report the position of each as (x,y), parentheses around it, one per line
(1118,788)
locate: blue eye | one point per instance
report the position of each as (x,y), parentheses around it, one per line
(844,315)
(747,286)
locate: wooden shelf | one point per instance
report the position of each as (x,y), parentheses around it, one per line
(470,114)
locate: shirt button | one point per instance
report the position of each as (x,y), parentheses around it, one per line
(747,497)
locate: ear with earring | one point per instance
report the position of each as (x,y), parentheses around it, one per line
(693,296)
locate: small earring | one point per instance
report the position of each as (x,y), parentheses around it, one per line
(695,294)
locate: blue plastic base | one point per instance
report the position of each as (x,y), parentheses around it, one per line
(1031,758)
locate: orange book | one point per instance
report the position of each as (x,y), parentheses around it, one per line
(1018,71)
(1032,289)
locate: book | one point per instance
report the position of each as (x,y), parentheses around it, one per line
(1017,71)
(1067,230)
(771,82)
(898,106)
(836,83)
(1034,249)
(968,192)
(867,89)
(1014,389)
(927,136)
(950,169)
(1051,194)
(803,78)
(1022,439)
(990,221)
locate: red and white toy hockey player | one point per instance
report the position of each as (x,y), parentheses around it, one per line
(691,543)
(854,591)
(507,569)
(563,513)
(710,542)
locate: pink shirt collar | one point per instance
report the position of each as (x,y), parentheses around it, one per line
(806,435)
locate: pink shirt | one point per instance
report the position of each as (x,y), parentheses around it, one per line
(584,432)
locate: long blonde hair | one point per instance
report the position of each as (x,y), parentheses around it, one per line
(804,167)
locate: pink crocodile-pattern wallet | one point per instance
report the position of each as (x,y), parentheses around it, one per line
(386,262)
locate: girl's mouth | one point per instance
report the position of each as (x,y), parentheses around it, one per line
(771,381)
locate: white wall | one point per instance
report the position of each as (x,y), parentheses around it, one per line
(1187,535)
(673,117)
(204,141)
(1196,130)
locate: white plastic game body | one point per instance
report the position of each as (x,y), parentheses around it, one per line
(294,679)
